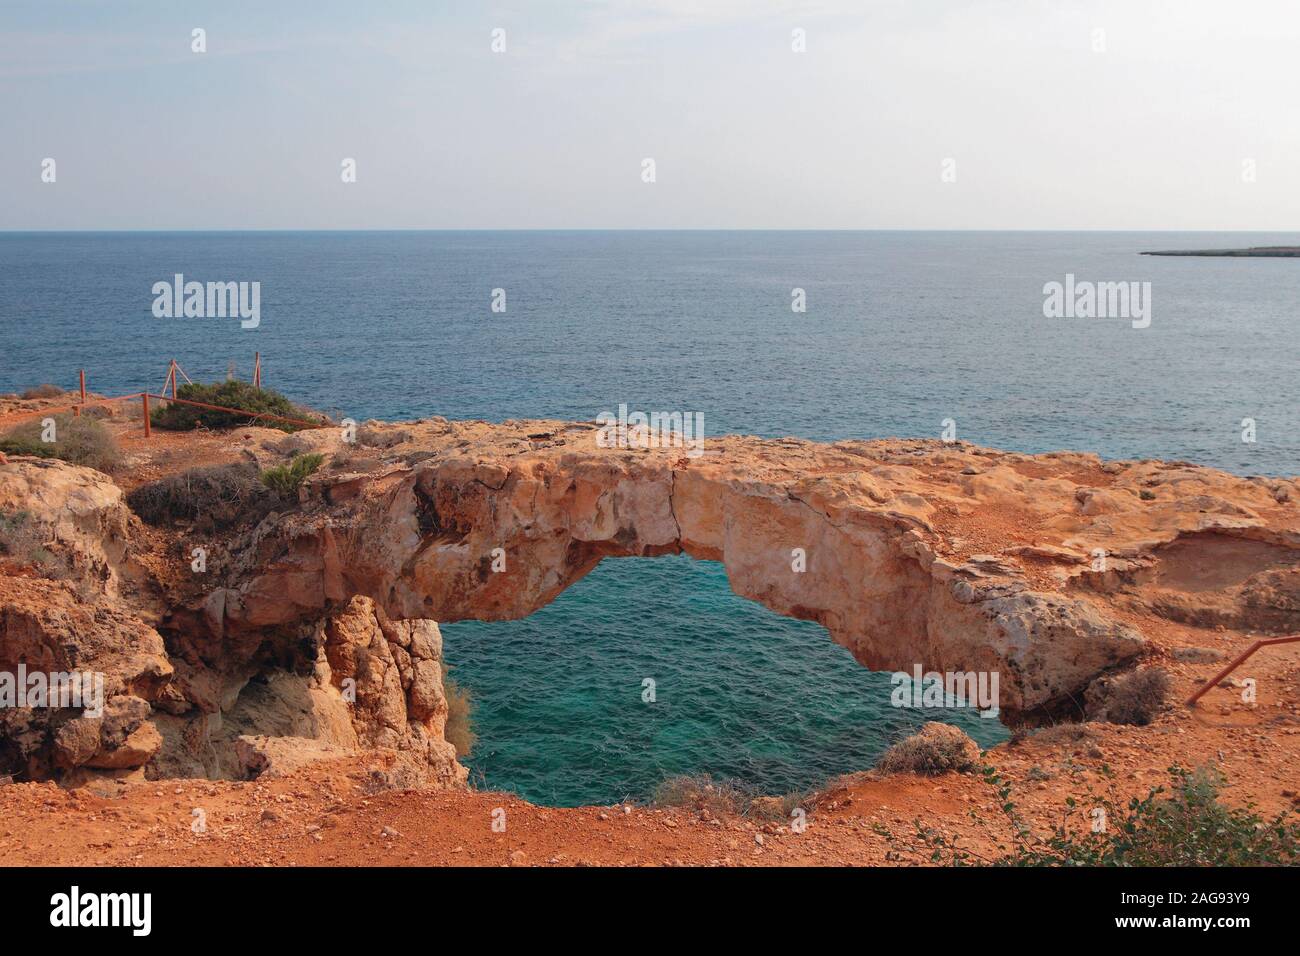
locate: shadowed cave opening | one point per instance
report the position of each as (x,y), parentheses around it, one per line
(741,693)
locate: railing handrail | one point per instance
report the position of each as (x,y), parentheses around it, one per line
(243,412)
(56,410)
(1214,681)
(236,411)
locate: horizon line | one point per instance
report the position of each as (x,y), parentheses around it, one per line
(486,229)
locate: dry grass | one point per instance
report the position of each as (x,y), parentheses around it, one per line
(217,497)
(700,792)
(1133,698)
(459,731)
(938,748)
(44,391)
(1059,734)
(79,440)
(22,541)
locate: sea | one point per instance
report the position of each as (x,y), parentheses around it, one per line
(822,335)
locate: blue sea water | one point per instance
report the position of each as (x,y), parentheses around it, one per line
(902,330)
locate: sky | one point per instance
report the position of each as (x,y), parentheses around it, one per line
(899,114)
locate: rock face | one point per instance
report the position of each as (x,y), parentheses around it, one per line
(70,520)
(334,683)
(948,556)
(312,631)
(351,680)
(392,670)
(72,524)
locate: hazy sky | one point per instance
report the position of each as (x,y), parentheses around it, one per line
(1046,133)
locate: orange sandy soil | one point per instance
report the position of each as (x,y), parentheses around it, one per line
(326,815)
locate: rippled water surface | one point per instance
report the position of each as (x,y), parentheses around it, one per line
(739,691)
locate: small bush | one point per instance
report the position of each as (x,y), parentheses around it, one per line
(1186,827)
(1058,734)
(231,394)
(936,749)
(22,540)
(44,391)
(384,437)
(778,809)
(701,792)
(78,440)
(285,480)
(459,731)
(13,527)
(1191,827)
(1133,698)
(217,497)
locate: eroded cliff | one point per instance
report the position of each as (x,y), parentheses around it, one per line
(312,629)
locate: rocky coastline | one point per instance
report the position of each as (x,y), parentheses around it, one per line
(309,633)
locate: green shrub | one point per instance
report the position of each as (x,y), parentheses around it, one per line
(285,480)
(1185,825)
(217,497)
(459,731)
(79,440)
(231,394)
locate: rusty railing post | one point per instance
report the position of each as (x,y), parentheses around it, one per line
(144,400)
(1214,681)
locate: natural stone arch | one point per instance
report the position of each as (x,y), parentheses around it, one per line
(890,573)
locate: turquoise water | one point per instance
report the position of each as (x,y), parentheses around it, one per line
(903,330)
(740,692)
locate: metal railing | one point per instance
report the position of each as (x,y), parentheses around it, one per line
(1240,659)
(145,397)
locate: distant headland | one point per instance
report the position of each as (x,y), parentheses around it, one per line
(1261,252)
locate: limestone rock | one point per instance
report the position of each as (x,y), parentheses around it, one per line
(1042,568)
(394,668)
(888,531)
